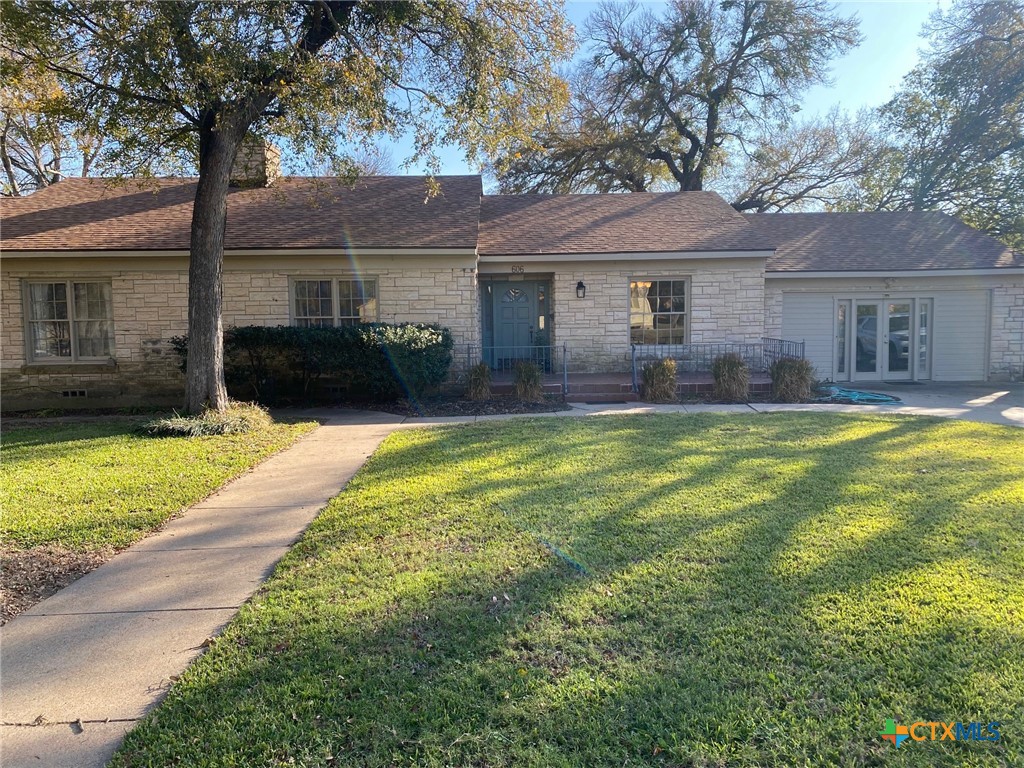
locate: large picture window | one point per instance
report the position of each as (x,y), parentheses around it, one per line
(658,312)
(69,321)
(328,302)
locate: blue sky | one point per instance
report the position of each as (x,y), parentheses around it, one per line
(865,77)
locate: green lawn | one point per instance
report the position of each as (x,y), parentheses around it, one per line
(646,590)
(93,485)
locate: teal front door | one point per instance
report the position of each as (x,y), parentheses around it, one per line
(515,318)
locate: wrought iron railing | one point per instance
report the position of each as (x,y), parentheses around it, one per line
(776,349)
(698,358)
(550,359)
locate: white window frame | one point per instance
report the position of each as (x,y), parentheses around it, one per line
(75,358)
(685,279)
(336,317)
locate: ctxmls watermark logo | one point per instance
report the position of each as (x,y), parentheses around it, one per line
(937,731)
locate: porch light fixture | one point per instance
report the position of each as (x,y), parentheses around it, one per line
(581,290)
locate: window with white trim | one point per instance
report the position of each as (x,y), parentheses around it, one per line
(333,301)
(69,321)
(658,311)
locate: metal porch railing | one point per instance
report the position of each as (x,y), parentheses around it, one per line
(698,358)
(551,359)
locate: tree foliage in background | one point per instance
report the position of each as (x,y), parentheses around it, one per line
(668,100)
(41,140)
(952,138)
(189,81)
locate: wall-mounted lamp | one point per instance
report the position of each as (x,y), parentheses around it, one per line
(581,290)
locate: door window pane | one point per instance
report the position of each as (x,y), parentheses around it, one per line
(899,337)
(841,331)
(924,307)
(867,338)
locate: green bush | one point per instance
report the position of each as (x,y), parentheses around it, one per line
(658,381)
(732,378)
(792,380)
(237,419)
(373,361)
(479,382)
(528,383)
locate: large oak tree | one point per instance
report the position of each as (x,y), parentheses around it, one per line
(669,99)
(189,81)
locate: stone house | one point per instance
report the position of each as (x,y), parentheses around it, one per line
(94,280)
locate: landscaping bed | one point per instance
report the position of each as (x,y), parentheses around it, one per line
(698,590)
(460,406)
(75,493)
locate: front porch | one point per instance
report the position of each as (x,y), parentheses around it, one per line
(617,387)
(561,375)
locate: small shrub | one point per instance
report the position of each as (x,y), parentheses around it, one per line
(732,378)
(792,380)
(658,381)
(527,384)
(479,382)
(238,419)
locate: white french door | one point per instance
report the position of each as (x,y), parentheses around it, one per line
(878,339)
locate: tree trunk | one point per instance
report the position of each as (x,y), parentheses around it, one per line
(204,376)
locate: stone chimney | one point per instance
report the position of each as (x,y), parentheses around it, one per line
(258,164)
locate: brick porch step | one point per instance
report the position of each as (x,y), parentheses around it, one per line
(610,388)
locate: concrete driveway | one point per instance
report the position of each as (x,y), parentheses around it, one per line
(995,403)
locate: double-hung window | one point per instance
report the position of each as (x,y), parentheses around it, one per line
(658,312)
(333,301)
(69,321)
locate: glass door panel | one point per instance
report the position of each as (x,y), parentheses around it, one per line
(867,332)
(898,339)
(842,370)
(924,317)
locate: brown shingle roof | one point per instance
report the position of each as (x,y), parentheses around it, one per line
(837,242)
(627,223)
(297,212)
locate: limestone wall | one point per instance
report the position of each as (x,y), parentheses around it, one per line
(150,306)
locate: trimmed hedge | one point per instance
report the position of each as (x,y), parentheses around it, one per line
(373,361)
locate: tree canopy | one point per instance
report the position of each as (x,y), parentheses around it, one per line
(952,138)
(184,83)
(41,139)
(666,100)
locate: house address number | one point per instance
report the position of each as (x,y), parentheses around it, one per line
(518,269)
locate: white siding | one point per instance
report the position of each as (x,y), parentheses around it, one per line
(961,335)
(959,329)
(807,317)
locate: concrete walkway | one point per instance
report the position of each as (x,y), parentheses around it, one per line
(988,403)
(80,668)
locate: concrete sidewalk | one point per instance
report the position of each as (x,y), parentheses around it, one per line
(80,668)
(987,403)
